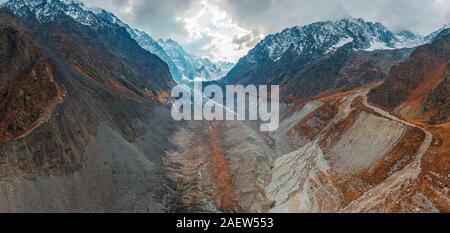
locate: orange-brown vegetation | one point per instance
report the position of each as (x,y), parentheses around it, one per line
(226,198)
(434,180)
(358,104)
(28,92)
(433,74)
(314,123)
(336,131)
(351,187)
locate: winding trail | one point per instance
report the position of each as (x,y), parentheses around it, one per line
(392,186)
(428,136)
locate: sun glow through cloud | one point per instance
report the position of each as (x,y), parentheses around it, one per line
(214,26)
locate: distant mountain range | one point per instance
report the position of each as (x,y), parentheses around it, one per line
(293,48)
(191,66)
(183,66)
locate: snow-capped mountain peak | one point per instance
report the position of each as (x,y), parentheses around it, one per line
(181,64)
(48,10)
(193,67)
(432,35)
(323,37)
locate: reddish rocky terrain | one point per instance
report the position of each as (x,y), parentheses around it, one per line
(418,88)
(29,93)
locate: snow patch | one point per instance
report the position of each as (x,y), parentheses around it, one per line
(341,43)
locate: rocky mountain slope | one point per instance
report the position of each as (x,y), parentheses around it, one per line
(84,118)
(28,90)
(182,65)
(279,57)
(418,87)
(144,40)
(341,70)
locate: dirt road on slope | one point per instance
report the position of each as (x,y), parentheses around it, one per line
(390,188)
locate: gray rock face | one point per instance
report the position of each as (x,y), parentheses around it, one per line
(113,176)
(100,147)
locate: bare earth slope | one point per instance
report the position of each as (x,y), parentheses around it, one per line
(83,119)
(342,174)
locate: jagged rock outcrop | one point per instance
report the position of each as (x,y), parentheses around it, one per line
(27,88)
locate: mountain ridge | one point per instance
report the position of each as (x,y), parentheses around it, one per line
(46,10)
(365,35)
(297,46)
(86,135)
(418,88)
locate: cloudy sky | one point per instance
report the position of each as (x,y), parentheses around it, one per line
(227,29)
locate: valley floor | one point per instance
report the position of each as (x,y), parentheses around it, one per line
(336,153)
